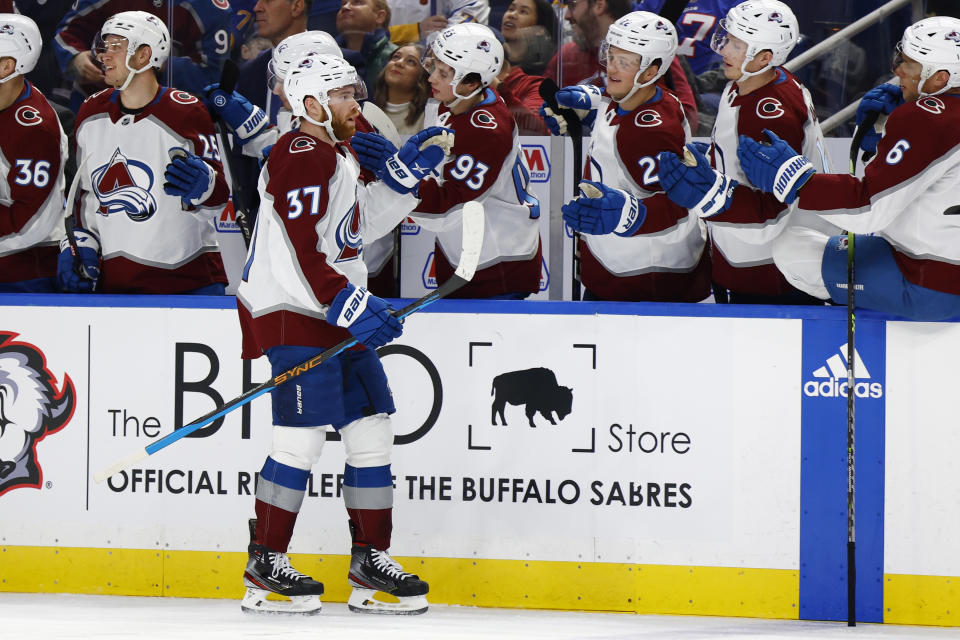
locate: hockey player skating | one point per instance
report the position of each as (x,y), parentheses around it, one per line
(636,244)
(907,198)
(152,218)
(302,292)
(33,150)
(743,223)
(486,166)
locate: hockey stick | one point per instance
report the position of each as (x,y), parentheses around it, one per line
(228,81)
(548,91)
(858,136)
(70,223)
(472,240)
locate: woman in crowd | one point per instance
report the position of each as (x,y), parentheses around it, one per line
(401,89)
(529,29)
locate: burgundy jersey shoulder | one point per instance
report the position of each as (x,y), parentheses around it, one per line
(778,106)
(652,127)
(34,116)
(297,160)
(182,111)
(99,102)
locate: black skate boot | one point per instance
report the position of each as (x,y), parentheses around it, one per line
(372,570)
(270,572)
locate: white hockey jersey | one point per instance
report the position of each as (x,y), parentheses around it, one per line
(909,194)
(308,242)
(742,236)
(455,11)
(665,260)
(33,150)
(486,165)
(150,244)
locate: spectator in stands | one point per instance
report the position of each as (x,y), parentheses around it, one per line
(276,20)
(201,31)
(589,21)
(529,29)
(521,92)
(414,20)
(402,90)
(364,38)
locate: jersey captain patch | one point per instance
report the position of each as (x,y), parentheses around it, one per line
(117,187)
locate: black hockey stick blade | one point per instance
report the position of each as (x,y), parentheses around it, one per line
(228,75)
(472,241)
(858,135)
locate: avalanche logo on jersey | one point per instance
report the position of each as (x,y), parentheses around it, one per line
(31,408)
(483,119)
(28,116)
(770,108)
(116,185)
(349,238)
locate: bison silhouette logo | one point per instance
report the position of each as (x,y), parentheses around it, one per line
(537,389)
(31,408)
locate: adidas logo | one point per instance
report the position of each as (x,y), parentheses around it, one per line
(831,379)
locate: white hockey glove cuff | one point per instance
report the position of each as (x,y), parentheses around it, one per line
(785,183)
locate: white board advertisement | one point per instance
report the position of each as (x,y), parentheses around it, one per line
(676,440)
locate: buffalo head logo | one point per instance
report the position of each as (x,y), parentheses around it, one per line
(537,389)
(31,408)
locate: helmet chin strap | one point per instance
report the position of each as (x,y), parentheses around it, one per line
(132,72)
(10,77)
(749,74)
(637,85)
(458,97)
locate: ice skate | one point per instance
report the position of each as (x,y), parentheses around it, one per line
(270,572)
(372,571)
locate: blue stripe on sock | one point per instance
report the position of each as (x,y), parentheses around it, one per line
(281,474)
(367,477)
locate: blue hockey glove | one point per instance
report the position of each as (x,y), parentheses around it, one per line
(775,168)
(79,276)
(189,177)
(244,118)
(881,99)
(584,99)
(693,184)
(403,170)
(365,316)
(701,147)
(600,210)
(372,150)
(264,156)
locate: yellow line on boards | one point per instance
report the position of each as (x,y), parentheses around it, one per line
(584,586)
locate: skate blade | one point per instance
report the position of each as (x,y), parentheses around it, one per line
(364,601)
(255,602)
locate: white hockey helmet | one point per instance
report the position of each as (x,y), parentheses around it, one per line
(647,35)
(294,47)
(935,44)
(139,28)
(762,25)
(316,75)
(19,39)
(468,48)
